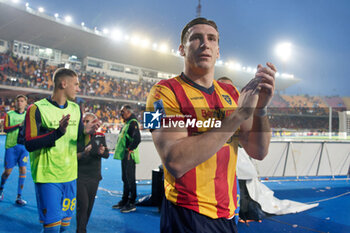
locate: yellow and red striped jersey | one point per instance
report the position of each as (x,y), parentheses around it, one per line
(211,187)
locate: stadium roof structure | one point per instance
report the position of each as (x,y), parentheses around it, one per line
(25,24)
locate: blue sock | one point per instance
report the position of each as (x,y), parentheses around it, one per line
(21,179)
(65,224)
(3,181)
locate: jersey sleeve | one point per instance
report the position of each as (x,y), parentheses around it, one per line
(36,136)
(7,127)
(162,97)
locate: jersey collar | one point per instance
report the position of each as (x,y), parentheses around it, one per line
(209,90)
(55,103)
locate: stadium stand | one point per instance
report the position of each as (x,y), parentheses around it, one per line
(16,71)
(304,101)
(346,101)
(296,113)
(335,102)
(278,102)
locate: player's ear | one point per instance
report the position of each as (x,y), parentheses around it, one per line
(63,84)
(182,50)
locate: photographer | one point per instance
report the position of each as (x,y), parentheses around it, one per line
(89,173)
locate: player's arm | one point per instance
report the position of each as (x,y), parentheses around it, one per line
(36,136)
(134,133)
(255,133)
(181,153)
(7,127)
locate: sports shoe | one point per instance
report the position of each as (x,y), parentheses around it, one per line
(128,208)
(120,205)
(20,201)
(1,194)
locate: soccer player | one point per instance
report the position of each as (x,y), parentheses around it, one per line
(53,128)
(200,162)
(15,152)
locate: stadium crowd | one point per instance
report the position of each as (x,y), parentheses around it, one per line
(291,112)
(16,71)
(109,113)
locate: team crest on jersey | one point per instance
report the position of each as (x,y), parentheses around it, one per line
(228,99)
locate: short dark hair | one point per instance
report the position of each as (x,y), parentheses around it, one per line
(21,96)
(60,73)
(128,107)
(196,21)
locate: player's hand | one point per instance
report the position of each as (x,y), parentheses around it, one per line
(101,149)
(64,123)
(129,154)
(266,84)
(248,98)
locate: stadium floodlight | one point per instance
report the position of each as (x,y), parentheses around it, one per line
(249,69)
(15,1)
(27,4)
(41,9)
(285,75)
(105,31)
(237,66)
(135,40)
(116,35)
(230,65)
(154,46)
(219,62)
(68,19)
(163,48)
(284,51)
(145,43)
(56,15)
(82,24)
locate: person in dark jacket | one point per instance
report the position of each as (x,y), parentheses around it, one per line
(89,173)
(127,150)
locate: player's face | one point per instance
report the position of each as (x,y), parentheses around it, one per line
(125,113)
(72,87)
(201,48)
(21,104)
(87,120)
